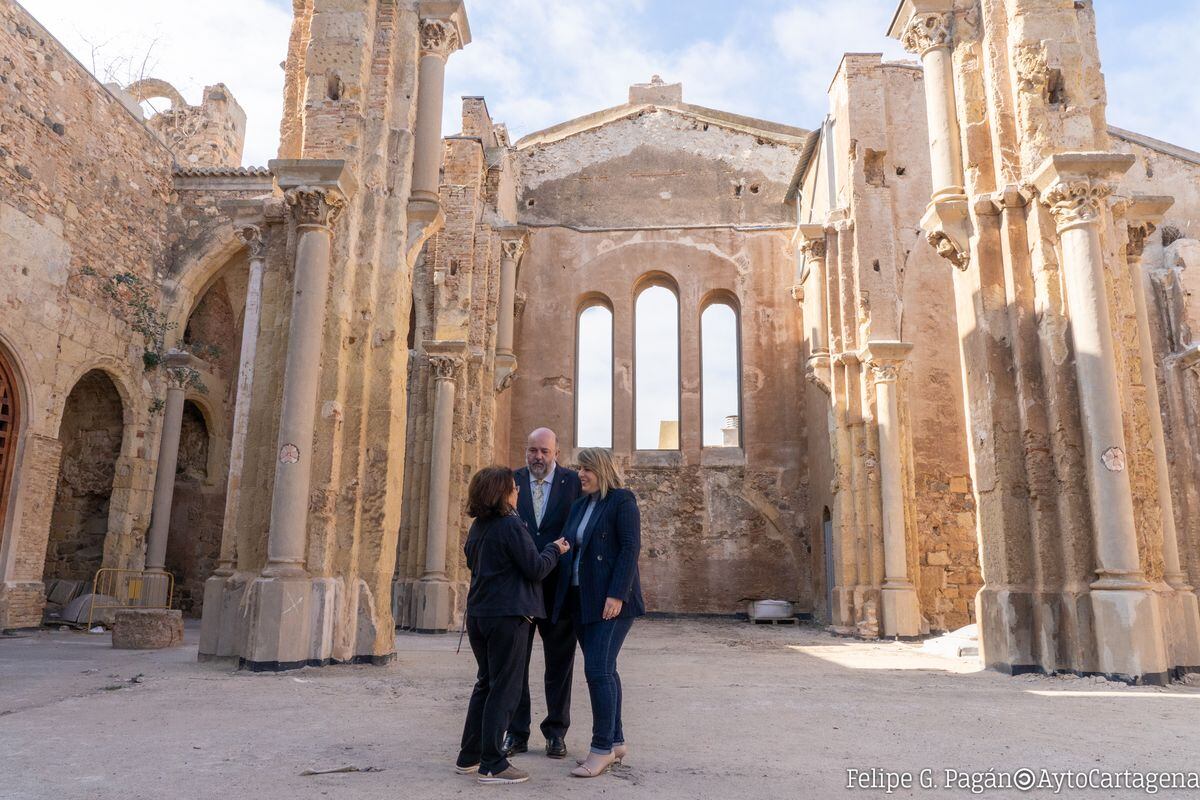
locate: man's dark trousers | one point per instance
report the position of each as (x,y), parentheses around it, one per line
(558,639)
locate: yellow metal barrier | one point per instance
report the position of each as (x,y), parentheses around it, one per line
(130,588)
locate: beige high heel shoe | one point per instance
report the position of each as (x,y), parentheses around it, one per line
(601,765)
(619,752)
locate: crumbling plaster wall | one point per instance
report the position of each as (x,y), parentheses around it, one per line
(718,524)
(666,166)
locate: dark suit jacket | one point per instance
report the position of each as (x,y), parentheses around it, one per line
(608,557)
(564,489)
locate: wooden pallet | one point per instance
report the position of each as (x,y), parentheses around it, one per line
(783,621)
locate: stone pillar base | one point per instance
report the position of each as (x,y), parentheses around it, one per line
(147,628)
(901,611)
(1129,636)
(432,606)
(842,613)
(1181,609)
(271,624)
(1005,620)
(402,591)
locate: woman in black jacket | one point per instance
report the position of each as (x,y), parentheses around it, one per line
(601,590)
(505,593)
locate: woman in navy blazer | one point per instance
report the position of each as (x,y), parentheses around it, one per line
(600,589)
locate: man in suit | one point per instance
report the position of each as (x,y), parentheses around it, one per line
(547,490)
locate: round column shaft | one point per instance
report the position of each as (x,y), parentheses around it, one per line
(286,542)
(929,35)
(439,474)
(164,478)
(1099,396)
(241,410)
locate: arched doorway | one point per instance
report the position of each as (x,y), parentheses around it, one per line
(194,543)
(10,423)
(91,432)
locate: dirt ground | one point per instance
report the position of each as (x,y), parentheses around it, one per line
(713,709)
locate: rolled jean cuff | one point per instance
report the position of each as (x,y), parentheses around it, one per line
(601,752)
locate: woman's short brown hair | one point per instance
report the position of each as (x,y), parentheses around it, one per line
(487,494)
(599,462)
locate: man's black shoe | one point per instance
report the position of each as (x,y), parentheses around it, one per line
(556,747)
(512,746)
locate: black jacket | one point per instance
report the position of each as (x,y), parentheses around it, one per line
(608,565)
(506,569)
(564,489)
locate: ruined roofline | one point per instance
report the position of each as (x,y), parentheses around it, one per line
(806,156)
(222,172)
(778,132)
(1155,144)
(111,96)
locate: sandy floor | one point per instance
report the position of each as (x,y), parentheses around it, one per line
(712,709)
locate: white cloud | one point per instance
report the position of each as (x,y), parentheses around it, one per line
(191,45)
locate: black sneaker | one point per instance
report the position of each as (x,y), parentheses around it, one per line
(510,775)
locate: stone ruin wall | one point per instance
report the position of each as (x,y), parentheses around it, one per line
(456,292)
(84,184)
(901,289)
(718,525)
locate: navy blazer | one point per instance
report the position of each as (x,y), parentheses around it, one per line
(608,557)
(563,491)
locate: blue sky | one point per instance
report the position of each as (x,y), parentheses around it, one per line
(540,62)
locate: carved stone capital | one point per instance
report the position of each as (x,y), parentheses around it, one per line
(882,371)
(1079,201)
(314,205)
(1143,214)
(813,248)
(439,37)
(1138,232)
(1074,187)
(252,237)
(445,367)
(927,31)
(512,249)
(885,359)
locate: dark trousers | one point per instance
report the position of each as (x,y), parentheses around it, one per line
(558,644)
(601,643)
(499,647)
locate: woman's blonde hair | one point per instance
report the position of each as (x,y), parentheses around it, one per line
(599,461)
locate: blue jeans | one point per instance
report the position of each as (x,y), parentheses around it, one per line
(601,642)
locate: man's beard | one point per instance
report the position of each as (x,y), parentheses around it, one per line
(539,470)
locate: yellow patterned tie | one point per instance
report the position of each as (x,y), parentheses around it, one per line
(537,501)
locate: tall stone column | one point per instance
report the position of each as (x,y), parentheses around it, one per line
(434,607)
(1182,611)
(812,247)
(287,612)
(900,607)
(924,28)
(256,250)
(314,208)
(443,30)
(176,365)
(512,244)
(215,599)
(1128,624)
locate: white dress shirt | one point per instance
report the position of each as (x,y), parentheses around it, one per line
(548,482)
